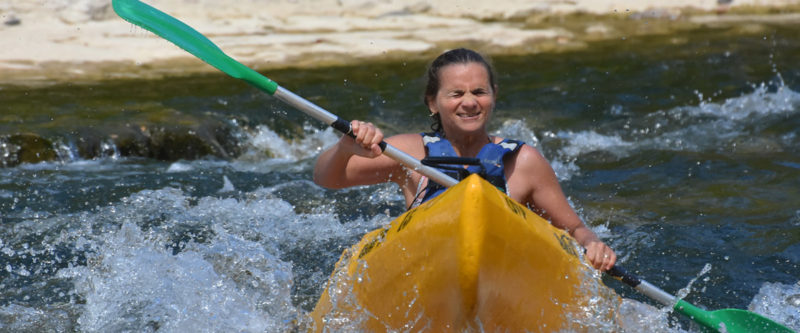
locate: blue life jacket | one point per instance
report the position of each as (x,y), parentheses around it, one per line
(488,163)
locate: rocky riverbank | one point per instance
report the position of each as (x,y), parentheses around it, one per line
(47,42)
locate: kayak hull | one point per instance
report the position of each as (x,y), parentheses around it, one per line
(472,258)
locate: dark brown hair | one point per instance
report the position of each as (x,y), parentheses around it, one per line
(456,56)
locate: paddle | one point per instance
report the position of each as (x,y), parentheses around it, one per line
(195,43)
(725,320)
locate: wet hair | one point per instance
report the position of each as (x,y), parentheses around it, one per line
(456,56)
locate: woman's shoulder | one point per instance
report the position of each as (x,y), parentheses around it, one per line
(404,139)
(528,171)
(410,143)
(529,158)
(406,136)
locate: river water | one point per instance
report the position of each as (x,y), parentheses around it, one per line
(186,204)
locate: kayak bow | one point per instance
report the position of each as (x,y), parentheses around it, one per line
(470,259)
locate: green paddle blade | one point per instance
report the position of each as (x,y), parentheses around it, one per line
(731,320)
(190,40)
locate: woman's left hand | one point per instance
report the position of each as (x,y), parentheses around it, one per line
(600,256)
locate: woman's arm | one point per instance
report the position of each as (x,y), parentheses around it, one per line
(359,160)
(533,182)
(354,161)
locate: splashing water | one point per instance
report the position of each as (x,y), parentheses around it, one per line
(266,142)
(237,279)
(708,126)
(180,264)
(780,302)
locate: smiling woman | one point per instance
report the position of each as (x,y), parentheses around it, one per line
(461,95)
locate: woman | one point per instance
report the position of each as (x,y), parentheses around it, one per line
(460,95)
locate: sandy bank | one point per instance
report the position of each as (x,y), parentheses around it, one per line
(83,40)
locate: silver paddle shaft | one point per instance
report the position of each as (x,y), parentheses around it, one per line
(642,286)
(656,293)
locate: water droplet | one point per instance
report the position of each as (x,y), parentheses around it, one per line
(794,300)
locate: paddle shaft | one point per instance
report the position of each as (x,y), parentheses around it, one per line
(642,286)
(198,45)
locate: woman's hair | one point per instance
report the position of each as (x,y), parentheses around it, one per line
(456,56)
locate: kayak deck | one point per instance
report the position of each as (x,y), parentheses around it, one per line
(470,259)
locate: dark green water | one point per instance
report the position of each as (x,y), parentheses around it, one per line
(680,151)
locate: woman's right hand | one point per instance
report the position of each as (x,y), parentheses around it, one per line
(367,138)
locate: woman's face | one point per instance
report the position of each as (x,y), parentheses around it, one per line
(465,99)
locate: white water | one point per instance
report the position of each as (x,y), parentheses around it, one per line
(235,280)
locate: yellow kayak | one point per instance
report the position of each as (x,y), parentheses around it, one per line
(470,259)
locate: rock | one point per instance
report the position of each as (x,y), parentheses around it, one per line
(11,20)
(81,11)
(25,148)
(181,143)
